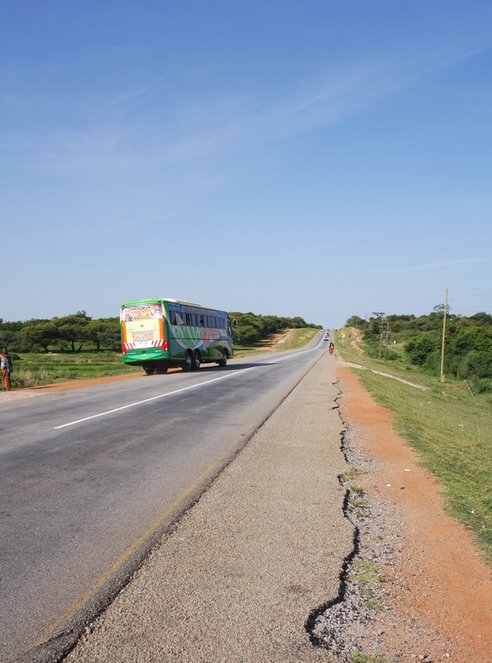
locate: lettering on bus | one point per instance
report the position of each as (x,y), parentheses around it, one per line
(141,312)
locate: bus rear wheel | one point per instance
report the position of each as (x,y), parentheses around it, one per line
(197,359)
(188,361)
(223,362)
(149,370)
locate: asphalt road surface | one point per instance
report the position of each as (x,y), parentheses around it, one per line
(89,480)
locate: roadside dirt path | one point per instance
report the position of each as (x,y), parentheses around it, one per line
(437,593)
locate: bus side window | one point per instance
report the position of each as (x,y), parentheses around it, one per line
(178,320)
(202,321)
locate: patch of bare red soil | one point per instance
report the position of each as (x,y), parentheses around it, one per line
(354,338)
(269,344)
(440,592)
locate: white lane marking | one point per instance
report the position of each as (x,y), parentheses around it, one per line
(154,398)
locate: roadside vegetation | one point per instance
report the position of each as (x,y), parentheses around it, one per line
(75,347)
(250,329)
(36,369)
(449,424)
(287,339)
(363,658)
(417,341)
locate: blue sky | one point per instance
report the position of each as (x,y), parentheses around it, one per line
(289,157)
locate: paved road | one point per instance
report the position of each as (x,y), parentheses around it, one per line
(247,569)
(89,479)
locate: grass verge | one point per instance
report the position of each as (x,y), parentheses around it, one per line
(35,370)
(451,432)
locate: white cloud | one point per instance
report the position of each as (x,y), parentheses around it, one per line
(125,128)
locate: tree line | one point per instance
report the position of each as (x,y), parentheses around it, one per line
(418,341)
(251,328)
(70,333)
(78,331)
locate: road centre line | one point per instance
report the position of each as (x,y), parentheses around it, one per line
(154,398)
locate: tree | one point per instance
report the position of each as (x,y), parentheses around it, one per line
(355,321)
(472,338)
(74,329)
(420,348)
(477,364)
(298,322)
(39,333)
(482,318)
(105,333)
(246,335)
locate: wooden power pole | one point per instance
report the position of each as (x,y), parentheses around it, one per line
(443,377)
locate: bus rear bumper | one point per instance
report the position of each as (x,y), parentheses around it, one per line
(143,357)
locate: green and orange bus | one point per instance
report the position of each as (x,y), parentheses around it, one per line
(160,333)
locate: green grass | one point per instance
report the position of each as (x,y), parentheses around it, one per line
(373,604)
(35,370)
(365,573)
(364,658)
(351,474)
(451,432)
(298,338)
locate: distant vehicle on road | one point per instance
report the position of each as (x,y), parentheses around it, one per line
(160,333)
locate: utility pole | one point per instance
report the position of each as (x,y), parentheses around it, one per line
(388,329)
(443,377)
(379,315)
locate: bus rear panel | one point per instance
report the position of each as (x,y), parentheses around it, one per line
(158,334)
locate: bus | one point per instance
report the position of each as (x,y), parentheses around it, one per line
(161,333)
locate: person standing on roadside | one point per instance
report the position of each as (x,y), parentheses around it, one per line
(6,368)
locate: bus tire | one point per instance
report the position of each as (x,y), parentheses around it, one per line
(149,370)
(197,360)
(162,369)
(188,361)
(223,362)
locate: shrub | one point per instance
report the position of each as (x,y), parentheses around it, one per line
(420,348)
